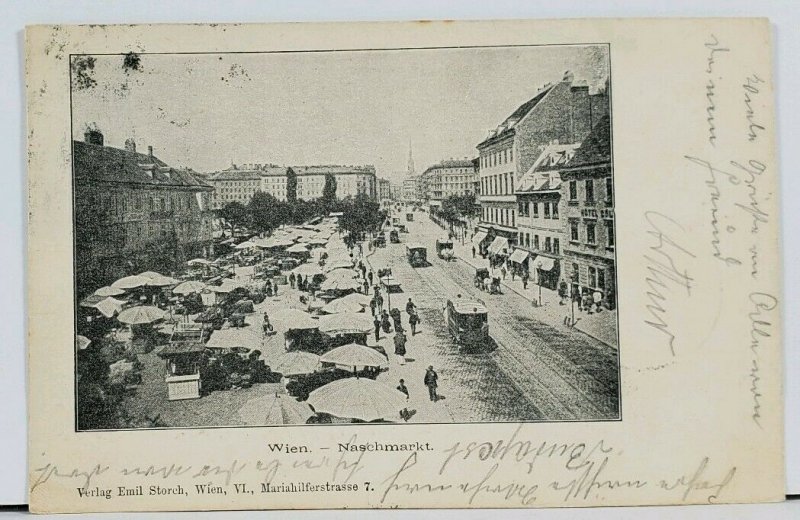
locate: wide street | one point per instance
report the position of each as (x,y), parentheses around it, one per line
(530,370)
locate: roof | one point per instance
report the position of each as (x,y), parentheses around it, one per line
(235,175)
(543,174)
(451,163)
(335,169)
(462,306)
(596,148)
(507,126)
(98,163)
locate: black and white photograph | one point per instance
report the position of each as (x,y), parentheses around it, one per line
(333,237)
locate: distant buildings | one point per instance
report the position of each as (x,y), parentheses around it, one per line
(384,189)
(351,181)
(395,191)
(448,178)
(127,202)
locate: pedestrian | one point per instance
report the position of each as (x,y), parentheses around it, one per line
(597,298)
(431,381)
(369,277)
(396,319)
(372,305)
(276,288)
(562,292)
(587,302)
(266,326)
(410,307)
(378,299)
(387,327)
(473,251)
(503,271)
(404,414)
(360,250)
(291,280)
(377,323)
(413,320)
(400,347)
(524,279)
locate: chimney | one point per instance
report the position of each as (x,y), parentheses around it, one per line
(130,145)
(93,135)
(150,151)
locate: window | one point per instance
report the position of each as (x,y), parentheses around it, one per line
(527,240)
(555,210)
(513,218)
(546,209)
(535,210)
(511,154)
(609,191)
(547,244)
(592,277)
(609,233)
(556,248)
(511,178)
(536,241)
(589,190)
(573,231)
(576,273)
(573,190)
(590,227)
(601,279)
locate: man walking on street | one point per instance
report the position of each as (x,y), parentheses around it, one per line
(524,279)
(400,346)
(377,322)
(473,251)
(413,319)
(431,379)
(410,307)
(369,277)
(404,414)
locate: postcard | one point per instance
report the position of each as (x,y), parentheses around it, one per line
(419,265)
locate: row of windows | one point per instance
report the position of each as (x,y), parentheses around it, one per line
(597,277)
(502,216)
(588,190)
(549,209)
(124,202)
(551,245)
(590,232)
(499,184)
(497,157)
(237,183)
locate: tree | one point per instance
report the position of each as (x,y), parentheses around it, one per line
(329,190)
(291,185)
(262,212)
(235,214)
(361,214)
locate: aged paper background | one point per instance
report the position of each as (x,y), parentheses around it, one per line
(694,429)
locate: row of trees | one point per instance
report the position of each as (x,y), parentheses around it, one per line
(458,208)
(264,213)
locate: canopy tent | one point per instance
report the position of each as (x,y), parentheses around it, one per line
(341,305)
(358,398)
(544,263)
(479,237)
(297,364)
(498,245)
(248,337)
(346,323)
(355,356)
(518,256)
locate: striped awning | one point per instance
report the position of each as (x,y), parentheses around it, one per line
(518,256)
(479,237)
(498,245)
(544,263)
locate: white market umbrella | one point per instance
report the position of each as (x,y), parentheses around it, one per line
(355,355)
(293,319)
(198,261)
(340,284)
(296,364)
(341,305)
(109,291)
(189,287)
(307,270)
(358,398)
(150,275)
(361,299)
(162,281)
(130,282)
(109,307)
(82,342)
(140,315)
(286,410)
(245,245)
(331,265)
(346,323)
(297,248)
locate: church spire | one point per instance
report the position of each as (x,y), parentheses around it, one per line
(410,160)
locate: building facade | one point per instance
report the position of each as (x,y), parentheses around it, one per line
(131,207)
(448,178)
(411,190)
(384,189)
(587,188)
(564,112)
(233,185)
(541,209)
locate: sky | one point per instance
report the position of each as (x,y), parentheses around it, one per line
(208,111)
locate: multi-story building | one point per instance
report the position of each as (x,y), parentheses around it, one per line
(587,186)
(411,190)
(234,185)
(540,211)
(448,178)
(563,112)
(384,190)
(395,191)
(351,181)
(277,181)
(131,205)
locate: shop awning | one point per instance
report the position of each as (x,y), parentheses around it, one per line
(544,263)
(497,245)
(518,256)
(479,237)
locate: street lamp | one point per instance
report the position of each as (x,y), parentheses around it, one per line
(539,279)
